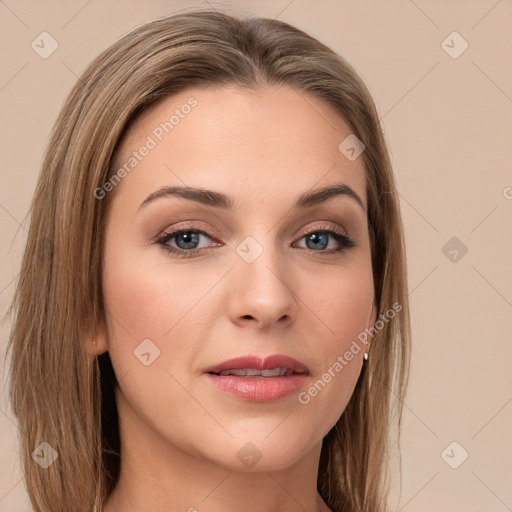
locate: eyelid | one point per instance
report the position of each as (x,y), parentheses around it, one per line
(198,226)
(201,227)
(326,227)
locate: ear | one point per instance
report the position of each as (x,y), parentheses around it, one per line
(95,336)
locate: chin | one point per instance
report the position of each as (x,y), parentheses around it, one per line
(259,453)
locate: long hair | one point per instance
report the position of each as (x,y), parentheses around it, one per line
(62,396)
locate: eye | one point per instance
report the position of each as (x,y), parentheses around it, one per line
(185,241)
(318,240)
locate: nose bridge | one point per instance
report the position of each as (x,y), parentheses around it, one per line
(261,261)
(263,288)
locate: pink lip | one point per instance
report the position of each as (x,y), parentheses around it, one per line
(257,388)
(259,363)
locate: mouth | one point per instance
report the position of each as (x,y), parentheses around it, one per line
(258,379)
(253,372)
(253,366)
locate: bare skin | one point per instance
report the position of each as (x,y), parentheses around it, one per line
(181,436)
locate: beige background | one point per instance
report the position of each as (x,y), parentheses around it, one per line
(449,125)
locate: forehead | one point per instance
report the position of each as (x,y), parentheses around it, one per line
(231,137)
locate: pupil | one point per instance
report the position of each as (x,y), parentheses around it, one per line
(190,238)
(316,240)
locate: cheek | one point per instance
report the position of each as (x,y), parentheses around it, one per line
(147,299)
(150,307)
(341,309)
(341,304)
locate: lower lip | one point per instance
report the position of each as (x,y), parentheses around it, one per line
(258,389)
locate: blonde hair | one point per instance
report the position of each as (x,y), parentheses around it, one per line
(64,397)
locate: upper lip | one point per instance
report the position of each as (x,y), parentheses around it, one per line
(259,363)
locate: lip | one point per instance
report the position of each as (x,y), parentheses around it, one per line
(259,363)
(258,388)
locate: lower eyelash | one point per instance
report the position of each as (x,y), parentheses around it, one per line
(345,241)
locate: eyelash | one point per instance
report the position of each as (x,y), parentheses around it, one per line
(344,241)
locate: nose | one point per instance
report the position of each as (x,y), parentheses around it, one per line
(261,293)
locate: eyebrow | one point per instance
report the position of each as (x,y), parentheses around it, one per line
(220,200)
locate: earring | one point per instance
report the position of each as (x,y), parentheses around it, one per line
(366,356)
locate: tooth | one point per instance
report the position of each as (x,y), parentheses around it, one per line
(271,373)
(240,372)
(253,372)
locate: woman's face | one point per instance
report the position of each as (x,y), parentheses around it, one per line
(254,274)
